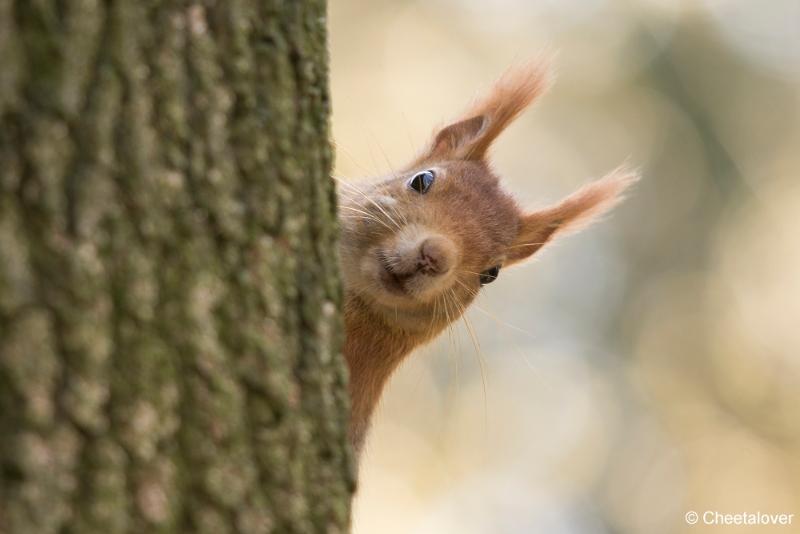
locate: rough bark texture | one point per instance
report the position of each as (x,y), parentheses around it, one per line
(169,295)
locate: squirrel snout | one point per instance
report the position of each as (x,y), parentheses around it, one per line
(410,266)
(436,255)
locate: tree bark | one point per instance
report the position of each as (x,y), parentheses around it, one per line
(169,292)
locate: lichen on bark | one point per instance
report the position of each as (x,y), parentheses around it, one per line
(169,291)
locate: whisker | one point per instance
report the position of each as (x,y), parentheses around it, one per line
(450,320)
(476,293)
(368,198)
(395,211)
(408,132)
(468,272)
(528,245)
(479,356)
(356,217)
(383,153)
(346,183)
(400,215)
(393,174)
(362,212)
(393,208)
(472,292)
(369,215)
(340,148)
(504,323)
(516,348)
(454,354)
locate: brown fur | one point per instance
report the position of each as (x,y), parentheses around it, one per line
(465,224)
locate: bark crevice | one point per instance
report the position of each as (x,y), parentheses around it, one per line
(170,324)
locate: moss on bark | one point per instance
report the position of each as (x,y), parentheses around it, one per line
(169,292)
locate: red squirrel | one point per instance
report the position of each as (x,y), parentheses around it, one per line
(417,247)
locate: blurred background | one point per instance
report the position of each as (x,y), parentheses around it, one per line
(646,367)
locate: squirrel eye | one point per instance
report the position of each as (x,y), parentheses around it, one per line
(490,275)
(422,181)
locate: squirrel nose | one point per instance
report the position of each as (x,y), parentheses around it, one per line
(436,255)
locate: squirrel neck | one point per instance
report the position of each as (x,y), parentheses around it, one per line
(373,348)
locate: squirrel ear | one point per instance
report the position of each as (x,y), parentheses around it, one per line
(471,136)
(457,140)
(573,213)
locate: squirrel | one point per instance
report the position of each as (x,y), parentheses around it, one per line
(416,247)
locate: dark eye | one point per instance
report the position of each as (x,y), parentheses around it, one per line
(422,181)
(490,275)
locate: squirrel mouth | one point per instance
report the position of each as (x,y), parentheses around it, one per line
(392,282)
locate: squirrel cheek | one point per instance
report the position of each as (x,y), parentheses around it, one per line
(369,268)
(386,201)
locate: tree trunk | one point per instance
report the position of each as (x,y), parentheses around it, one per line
(169,291)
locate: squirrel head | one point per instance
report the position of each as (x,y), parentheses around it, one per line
(416,247)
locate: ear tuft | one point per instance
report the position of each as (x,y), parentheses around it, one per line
(516,89)
(471,135)
(591,201)
(573,213)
